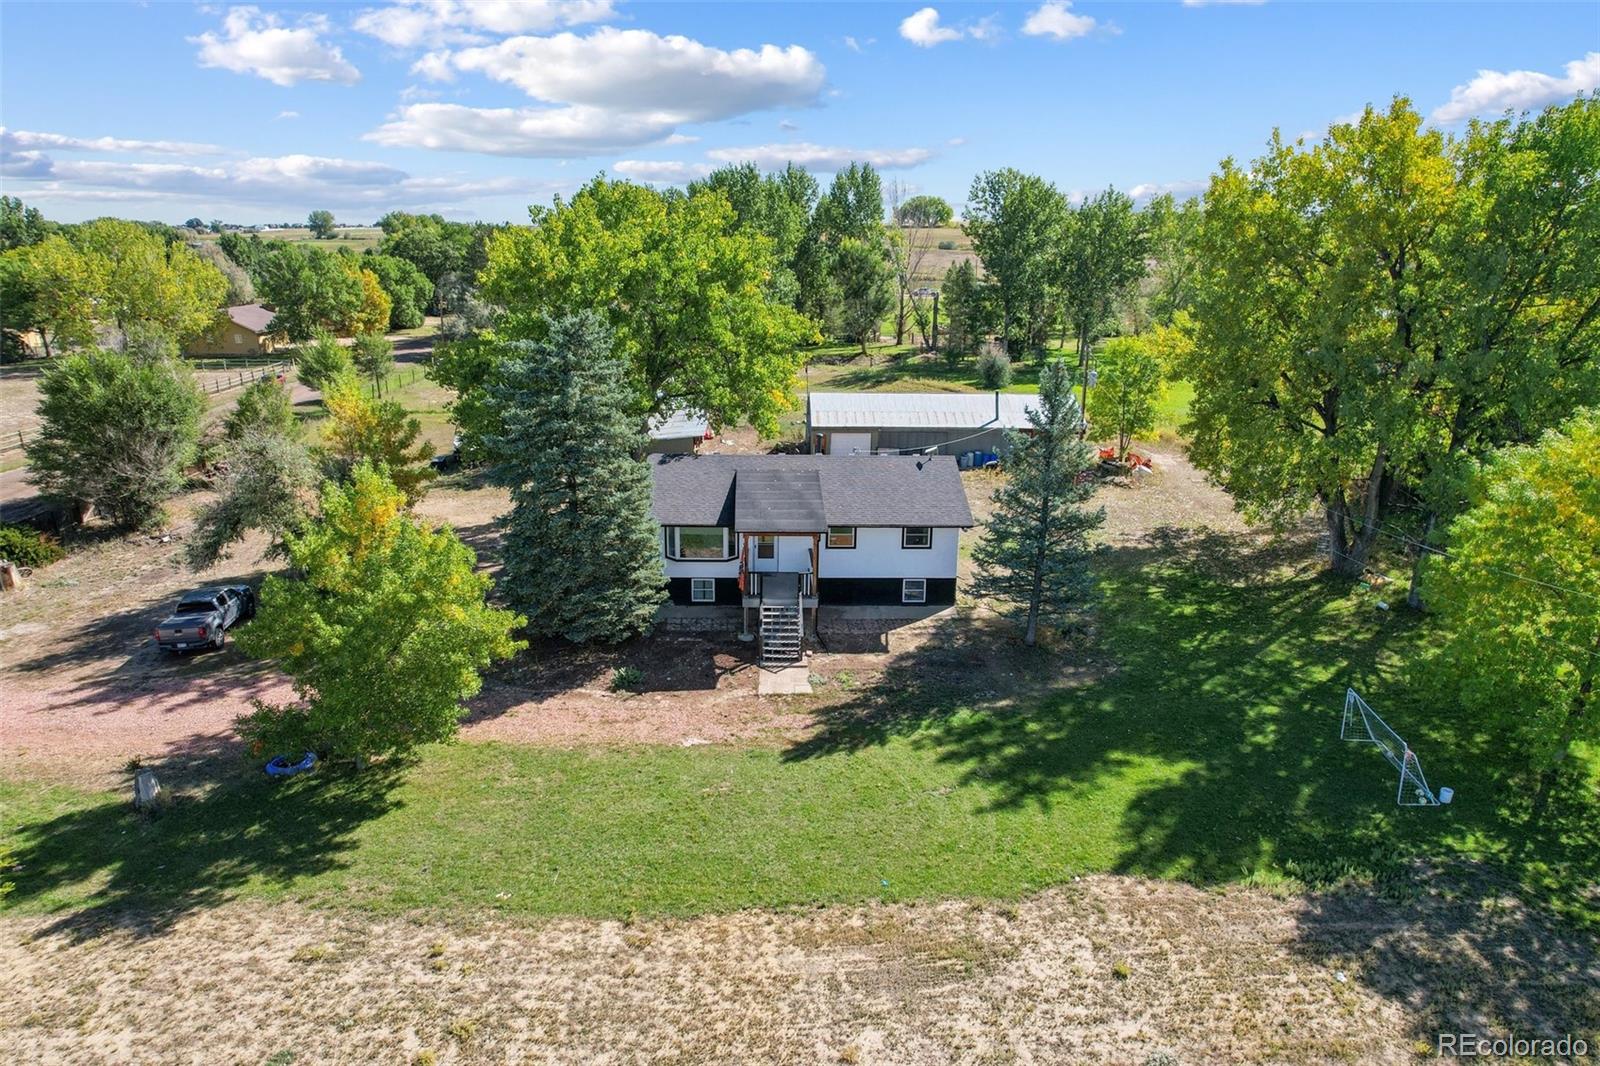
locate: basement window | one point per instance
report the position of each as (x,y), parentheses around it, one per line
(914,590)
(703,590)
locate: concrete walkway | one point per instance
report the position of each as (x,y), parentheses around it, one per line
(788,681)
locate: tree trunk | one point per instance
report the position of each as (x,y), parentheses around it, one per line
(1414,594)
(900,319)
(1083,381)
(1348,555)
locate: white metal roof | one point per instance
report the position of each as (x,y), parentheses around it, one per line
(921,410)
(679,424)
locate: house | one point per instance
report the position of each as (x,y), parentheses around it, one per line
(780,535)
(242,329)
(677,433)
(948,423)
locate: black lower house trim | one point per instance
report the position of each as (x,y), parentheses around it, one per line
(680,592)
(881,592)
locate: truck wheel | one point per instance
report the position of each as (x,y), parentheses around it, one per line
(222,636)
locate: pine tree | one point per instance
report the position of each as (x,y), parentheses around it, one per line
(1036,548)
(582,558)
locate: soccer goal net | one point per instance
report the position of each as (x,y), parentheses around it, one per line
(1362,725)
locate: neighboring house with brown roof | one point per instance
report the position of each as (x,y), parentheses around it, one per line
(243,329)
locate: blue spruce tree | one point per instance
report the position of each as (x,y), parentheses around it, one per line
(582,559)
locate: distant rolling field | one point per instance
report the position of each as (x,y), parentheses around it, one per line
(357,238)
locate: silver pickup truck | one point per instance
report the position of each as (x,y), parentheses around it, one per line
(203,618)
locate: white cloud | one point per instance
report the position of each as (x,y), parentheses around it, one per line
(852,44)
(1223,3)
(520,131)
(291,180)
(28,140)
(1493,91)
(636,70)
(609,90)
(820,157)
(1179,190)
(253,42)
(923,29)
(411,23)
(788,127)
(1055,19)
(283,115)
(668,171)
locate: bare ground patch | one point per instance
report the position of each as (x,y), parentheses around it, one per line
(89,692)
(1106,969)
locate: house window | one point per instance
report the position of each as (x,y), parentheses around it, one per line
(916,537)
(841,537)
(766,547)
(914,590)
(238,338)
(703,590)
(700,542)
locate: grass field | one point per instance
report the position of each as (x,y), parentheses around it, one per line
(356,238)
(1206,749)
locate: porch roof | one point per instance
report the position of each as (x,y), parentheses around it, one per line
(778,500)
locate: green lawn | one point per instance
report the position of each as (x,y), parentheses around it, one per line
(1208,752)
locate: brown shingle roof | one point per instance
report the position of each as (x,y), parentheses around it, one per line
(252,317)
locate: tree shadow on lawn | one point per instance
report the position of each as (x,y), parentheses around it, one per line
(1215,738)
(195,853)
(1462,955)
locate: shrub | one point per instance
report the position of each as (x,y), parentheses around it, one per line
(626,678)
(323,361)
(264,407)
(947,246)
(116,434)
(994,370)
(28,547)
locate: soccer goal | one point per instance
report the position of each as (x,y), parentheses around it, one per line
(1362,725)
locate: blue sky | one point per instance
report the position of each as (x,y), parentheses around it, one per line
(262,113)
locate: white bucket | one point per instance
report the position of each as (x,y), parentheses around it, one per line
(1446,795)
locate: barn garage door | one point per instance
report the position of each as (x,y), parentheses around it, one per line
(847,443)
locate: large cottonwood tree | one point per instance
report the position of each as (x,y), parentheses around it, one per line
(1381,307)
(1015,222)
(683,291)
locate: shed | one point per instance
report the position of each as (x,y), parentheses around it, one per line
(947,423)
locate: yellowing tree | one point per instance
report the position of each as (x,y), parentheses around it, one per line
(143,278)
(372,316)
(377,432)
(385,633)
(1519,593)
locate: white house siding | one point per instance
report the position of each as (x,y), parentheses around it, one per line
(701,567)
(878,554)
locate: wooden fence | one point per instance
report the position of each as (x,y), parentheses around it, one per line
(17,440)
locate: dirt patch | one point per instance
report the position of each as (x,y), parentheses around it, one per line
(1106,969)
(88,692)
